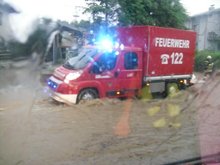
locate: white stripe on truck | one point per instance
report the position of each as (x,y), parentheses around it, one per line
(167,77)
(55,80)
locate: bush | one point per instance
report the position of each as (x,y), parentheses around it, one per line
(201,57)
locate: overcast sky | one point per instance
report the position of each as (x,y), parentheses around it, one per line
(64,9)
(199,6)
(23,24)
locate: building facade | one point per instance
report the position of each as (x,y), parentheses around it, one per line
(207,27)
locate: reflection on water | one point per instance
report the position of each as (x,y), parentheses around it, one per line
(122,128)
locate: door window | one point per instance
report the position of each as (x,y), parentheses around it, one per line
(131,61)
(106,62)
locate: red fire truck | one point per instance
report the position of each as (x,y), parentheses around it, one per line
(142,55)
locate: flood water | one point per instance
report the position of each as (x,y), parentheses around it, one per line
(36,130)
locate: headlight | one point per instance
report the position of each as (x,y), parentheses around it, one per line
(72,76)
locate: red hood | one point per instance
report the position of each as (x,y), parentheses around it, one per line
(61,72)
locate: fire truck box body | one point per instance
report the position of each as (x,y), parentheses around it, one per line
(167,53)
(145,55)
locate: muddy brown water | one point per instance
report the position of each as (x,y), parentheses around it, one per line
(35,130)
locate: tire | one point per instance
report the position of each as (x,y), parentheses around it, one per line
(87,94)
(181,86)
(159,95)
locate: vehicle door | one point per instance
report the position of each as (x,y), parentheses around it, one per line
(130,73)
(103,72)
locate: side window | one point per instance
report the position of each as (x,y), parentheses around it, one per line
(109,59)
(131,60)
(106,62)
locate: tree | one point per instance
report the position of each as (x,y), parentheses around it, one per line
(86,25)
(167,13)
(103,10)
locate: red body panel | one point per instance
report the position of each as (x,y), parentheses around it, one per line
(179,45)
(183,55)
(61,72)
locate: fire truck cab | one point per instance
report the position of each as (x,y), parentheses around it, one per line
(96,73)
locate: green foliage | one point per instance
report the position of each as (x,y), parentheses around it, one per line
(166,13)
(82,24)
(201,57)
(103,10)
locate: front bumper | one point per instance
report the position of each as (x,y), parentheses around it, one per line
(64,98)
(54,85)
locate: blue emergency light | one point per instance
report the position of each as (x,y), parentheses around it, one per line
(51,84)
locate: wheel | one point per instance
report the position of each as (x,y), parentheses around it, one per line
(181,86)
(159,95)
(87,94)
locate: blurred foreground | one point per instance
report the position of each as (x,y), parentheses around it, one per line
(36,130)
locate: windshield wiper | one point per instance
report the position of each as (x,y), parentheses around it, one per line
(68,66)
(214,158)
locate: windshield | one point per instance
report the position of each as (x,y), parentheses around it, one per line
(148,95)
(80,61)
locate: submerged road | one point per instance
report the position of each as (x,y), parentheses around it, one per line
(35,130)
